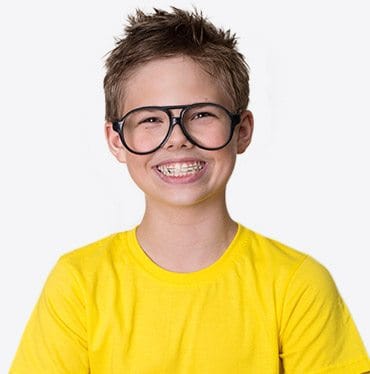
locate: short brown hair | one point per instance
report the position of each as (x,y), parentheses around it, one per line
(164,34)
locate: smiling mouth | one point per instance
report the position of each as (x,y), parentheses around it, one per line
(181,169)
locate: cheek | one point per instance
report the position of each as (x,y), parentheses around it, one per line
(136,166)
(225,164)
(234,144)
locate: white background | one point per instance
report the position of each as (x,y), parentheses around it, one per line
(304,180)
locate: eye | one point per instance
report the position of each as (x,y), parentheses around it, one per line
(150,120)
(201,115)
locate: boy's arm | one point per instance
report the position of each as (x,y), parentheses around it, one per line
(317,333)
(55,338)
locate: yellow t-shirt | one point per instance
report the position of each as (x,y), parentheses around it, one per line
(261,308)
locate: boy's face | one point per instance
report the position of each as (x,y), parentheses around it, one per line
(201,175)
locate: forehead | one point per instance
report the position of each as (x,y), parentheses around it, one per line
(172,81)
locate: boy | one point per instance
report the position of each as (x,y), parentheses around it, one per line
(188,290)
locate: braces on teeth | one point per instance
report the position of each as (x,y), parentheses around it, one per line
(180,170)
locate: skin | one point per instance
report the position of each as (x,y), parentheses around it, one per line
(186,226)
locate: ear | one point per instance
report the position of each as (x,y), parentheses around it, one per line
(244,131)
(114,143)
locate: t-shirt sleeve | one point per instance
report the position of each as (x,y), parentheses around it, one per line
(54,340)
(317,333)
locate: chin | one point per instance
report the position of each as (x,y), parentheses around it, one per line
(187,200)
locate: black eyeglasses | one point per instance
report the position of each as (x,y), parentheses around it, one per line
(207,125)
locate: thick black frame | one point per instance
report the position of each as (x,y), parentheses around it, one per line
(234,121)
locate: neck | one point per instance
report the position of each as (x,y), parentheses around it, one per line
(186,238)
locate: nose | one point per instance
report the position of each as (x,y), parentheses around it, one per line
(177,138)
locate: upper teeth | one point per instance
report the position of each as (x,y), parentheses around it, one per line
(179,169)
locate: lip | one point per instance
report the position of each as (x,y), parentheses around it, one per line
(181,179)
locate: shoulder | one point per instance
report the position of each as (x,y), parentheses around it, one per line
(277,260)
(95,256)
(269,252)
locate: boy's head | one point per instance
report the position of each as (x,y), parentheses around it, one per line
(178,33)
(177,68)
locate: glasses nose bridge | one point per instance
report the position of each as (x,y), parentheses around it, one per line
(176,120)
